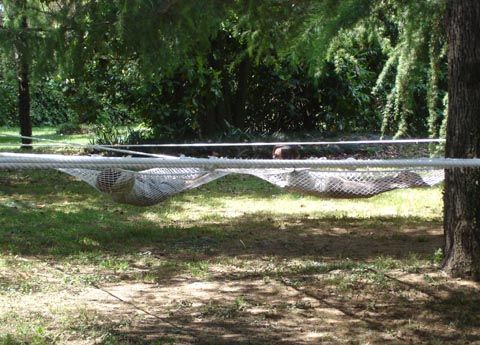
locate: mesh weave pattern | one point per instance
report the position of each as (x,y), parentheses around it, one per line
(144,188)
(350,184)
(152,186)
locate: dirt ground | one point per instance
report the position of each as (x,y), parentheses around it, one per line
(314,282)
(233,263)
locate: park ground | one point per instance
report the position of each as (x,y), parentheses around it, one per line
(236,261)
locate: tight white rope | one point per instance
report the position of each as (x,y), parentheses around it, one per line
(84,146)
(280,143)
(291,143)
(33,161)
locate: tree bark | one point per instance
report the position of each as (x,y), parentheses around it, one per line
(462,185)
(24,85)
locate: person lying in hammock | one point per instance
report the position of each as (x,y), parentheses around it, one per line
(338,185)
(144,188)
(152,186)
(149,187)
(286,152)
(349,185)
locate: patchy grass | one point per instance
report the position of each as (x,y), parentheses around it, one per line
(234,262)
(45,132)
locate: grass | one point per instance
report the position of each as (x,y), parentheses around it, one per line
(49,213)
(236,261)
(43,132)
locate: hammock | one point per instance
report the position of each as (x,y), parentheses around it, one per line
(125,182)
(144,188)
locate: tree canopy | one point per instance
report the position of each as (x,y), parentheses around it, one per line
(373,66)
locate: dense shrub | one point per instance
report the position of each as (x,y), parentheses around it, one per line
(49,104)
(8,103)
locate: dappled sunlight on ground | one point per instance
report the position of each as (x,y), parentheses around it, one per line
(212,268)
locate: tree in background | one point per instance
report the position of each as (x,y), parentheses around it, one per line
(408,90)
(67,38)
(15,28)
(32,39)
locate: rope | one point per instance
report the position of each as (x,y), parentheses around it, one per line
(284,143)
(84,146)
(33,161)
(291,143)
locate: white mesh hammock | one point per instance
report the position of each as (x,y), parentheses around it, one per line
(152,186)
(144,188)
(125,182)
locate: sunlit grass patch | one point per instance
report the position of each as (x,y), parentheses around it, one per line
(58,215)
(252,196)
(237,251)
(9,140)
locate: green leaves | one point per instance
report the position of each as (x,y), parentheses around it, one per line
(191,67)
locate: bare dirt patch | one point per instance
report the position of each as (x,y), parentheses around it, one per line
(294,285)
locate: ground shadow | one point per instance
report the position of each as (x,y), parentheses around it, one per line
(350,287)
(51,232)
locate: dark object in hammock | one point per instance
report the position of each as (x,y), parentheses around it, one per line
(286,152)
(115,181)
(329,186)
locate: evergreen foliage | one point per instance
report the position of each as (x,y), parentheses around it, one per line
(412,83)
(201,68)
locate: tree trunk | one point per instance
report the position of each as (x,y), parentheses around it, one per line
(462,186)
(23,85)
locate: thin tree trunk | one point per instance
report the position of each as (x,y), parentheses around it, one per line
(462,186)
(24,105)
(24,86)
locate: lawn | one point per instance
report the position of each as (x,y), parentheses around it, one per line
(236,261)
(44,132)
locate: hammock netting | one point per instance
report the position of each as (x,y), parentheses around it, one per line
(149,187)
(125,182)
(144,188)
